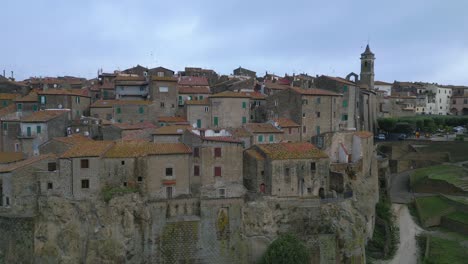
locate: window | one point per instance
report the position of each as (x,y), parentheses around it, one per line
(78,112)
(142,88)
(5,103)
(77,99)
(163,89)
(199,123)
(303,115)
(276,102)
(38,129)
(196,170)
(244,105)
(141,110)
(169,172)
(260,138)
(344,117)
(162,104)
(119,110)
(207,109)
(217,171)
(196,152)
(51,166)
(244,120)
(20,107)
(125,184)
(272,138)
(318,100)
(84,163)
(345,103)
(17,147)
(43,99)
(200,97)
(286,171)
(85,184)
(305,101)
(217,152)
(345,89)
(169,192)
(215,121)
(181,101)
(119,120)
(5,126)
(312,166)
(318,114)
(290,130)
(318,130)
(140,179)
(34,107)
(160,74)
(122,162)
(304,129)
(50,186)
(222,193)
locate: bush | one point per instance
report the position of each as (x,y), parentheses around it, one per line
(286,249)
(108,193)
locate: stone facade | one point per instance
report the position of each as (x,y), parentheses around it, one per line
(163,93)
(64,99)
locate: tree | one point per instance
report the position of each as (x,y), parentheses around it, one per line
(387,124)
(287,249)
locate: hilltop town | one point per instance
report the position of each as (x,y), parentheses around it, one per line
(149,165)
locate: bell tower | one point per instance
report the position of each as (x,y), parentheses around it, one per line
(367,69)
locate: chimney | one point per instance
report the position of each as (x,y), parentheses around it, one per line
(4,74)
(12,77)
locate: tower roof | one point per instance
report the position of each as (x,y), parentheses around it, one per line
(367,51)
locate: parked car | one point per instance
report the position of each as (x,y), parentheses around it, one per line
(381,137)
(402,137)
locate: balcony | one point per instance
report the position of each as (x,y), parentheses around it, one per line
(27,135)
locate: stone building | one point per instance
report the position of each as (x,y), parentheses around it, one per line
(131,87)
(161,72)
(103,88)
(171,120)
(367,69)
(22,182)
(189,93)
(198,112)
(76,100)
(123,111)
(229,109)
(209,74)
(163,93)
(291,129)
(264,133)
(59,145)
(315,110)
(27,104)
(169,134)
(216,163)
(384,87)
(459,101)
(117,131)
(438,100)
(7,98)
(286,170)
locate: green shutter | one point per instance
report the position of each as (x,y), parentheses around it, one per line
(244,120)
(119,110)
(215,120)
(199,123)
(5,126)
(20,107)
(78,113)
(5,103)
(318,130)
(106,94)
(38,129)
(272,137)
(260,138)
(140,110)
(28,131)
(344,117)
(200,97)
(345,89)
(181,102)
(244,105)
(35,108)
(345,103)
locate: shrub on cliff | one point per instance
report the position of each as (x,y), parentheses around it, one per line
(286,249)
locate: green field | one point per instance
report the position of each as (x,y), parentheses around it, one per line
(443,250)
(431,206)
(449,173)
(459,217)
(458,150)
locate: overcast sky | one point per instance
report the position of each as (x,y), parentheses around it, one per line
(417,40)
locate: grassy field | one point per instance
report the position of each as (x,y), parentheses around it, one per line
(449,173)
(446,251)
(459,217)
(458,150)
(431,206)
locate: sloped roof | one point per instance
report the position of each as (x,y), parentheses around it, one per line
(229,94)
(135,126)
(364,134)
(222,139)
(255,95)
(172,119)
(275,86)
(170,130)
(9,157)
(74,92)
(30,97)
(73,139)
(240,132)
(193,81)
(294,150)
(7,96)
(198,102)
(262,128)
(382,83)
(129,149)
(111,103)
(163,79)
(44,115)
(286,122)
(24,163)
(255,154)
(88,149)
(339,79)
(193,89)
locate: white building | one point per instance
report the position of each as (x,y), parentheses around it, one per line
(383,86)
(438,100)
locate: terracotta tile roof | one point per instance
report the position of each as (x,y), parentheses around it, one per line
(130,78)
(31,97)
(339,79)
(7,96)
(262,128)
(163,79)
(7,110)
(127,149)
(198,102)
(9,157)
(222,139)
(286,122)
(255,95)
(73,139)
(229,94)
(24,163)
(170,130)
(111,103)
(363,134)
(193,81)
(275,86)
(104,85)
(296,150)
(139,135)
(172,119)
(44,115)
(135,126)
(254,153)
(74,92)
(88,149)
(314,91)
(194,89)
(240,132)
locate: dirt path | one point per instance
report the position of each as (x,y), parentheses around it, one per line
(407,252)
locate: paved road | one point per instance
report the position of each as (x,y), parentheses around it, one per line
(399,190)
